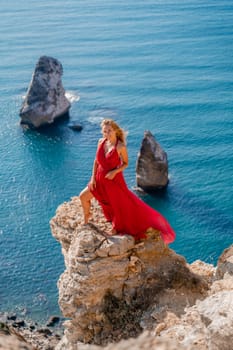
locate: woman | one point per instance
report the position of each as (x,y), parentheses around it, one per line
(127,213)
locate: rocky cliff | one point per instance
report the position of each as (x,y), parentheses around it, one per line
(123,294)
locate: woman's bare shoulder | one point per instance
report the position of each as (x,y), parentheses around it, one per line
(121,145)
(100,140)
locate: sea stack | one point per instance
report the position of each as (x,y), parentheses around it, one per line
(45,100)
(152,165)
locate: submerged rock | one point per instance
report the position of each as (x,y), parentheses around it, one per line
(45,100)
(75,126)
(152,165)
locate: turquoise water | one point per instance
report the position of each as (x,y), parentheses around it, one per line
(163,66)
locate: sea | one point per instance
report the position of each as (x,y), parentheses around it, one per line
(160,65)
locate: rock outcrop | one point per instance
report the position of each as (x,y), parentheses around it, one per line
(12,341)
(152,165)
(114,288)
(45,100)
(18,333)
(119,294)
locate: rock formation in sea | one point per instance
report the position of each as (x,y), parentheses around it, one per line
(45,100)
(121,294)
(152,165)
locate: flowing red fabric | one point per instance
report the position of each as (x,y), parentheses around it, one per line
(127,213)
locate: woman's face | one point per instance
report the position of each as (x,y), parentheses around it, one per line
(108,132)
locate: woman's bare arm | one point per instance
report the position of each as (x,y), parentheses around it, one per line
(94,169)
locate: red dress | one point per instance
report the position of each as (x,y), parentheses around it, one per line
(127,213)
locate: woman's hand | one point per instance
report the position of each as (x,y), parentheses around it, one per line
(110,175)
(122,151)
(92,183)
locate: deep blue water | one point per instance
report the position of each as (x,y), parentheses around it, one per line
(163,66)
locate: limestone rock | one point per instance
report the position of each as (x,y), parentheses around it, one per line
(152,165)
(45,100)
(225,263)
(124,295)
(25,334)
(120,294)
(11,342)
(144,342)
(208,324)
(113,287)
(205,326)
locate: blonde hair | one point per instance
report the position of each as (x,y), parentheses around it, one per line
(120,133)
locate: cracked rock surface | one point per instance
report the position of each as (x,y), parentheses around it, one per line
(114,288)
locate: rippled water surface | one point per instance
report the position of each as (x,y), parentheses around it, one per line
(163,66)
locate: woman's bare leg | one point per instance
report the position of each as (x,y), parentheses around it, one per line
(85,197)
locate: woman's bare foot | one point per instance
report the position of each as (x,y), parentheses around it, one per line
(87,218)
(112,232)
(85,198)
